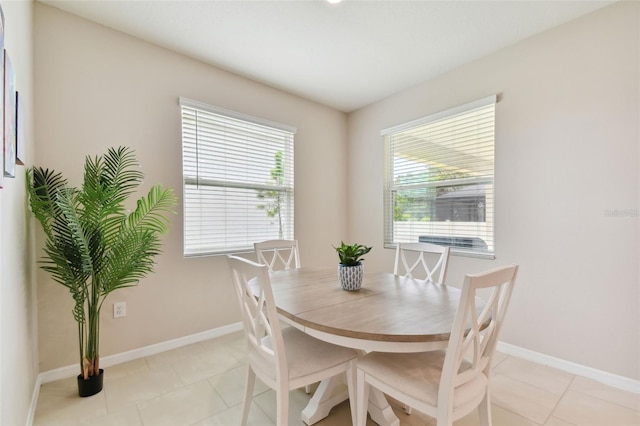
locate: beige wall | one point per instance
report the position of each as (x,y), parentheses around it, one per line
(98,88)
(18,334)
(567,150)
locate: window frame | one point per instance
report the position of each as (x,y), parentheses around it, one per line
(390,187)
(218,186)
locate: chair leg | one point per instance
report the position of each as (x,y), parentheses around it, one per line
(307,389)
(351,384)
(282,396)
(362,399)
(485,410)
(444,412)
(248,394)
(445,421)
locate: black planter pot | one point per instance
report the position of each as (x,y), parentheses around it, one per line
(91,386)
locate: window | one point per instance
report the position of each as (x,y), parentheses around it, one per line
(238,180)
(438,183)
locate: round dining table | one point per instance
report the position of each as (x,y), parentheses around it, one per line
(389,313)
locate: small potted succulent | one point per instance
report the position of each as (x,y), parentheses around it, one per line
(350,268)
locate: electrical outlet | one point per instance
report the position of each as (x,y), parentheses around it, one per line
(120,309)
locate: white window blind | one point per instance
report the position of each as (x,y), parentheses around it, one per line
(438,182)
(238,180)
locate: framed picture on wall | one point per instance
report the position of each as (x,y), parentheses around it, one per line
(9,118)
(20,153)
(1,28)
(2,85)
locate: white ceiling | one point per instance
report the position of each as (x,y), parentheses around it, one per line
(346,55)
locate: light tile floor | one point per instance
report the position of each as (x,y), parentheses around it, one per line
(202,384)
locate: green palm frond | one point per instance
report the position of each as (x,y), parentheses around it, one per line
(150,211)
(78,308)
(65,260)
(42,185)
(121,171)
(110,228)
(101,195)
(131,255)
(78,234)
(111,178)
(131,260)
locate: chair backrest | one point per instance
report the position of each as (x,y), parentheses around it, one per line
(259,315)
(422,260)
(474,335)
(278,254)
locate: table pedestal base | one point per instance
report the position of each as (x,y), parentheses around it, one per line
(380,410)
(324,400)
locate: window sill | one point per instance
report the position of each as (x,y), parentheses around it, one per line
(461,253)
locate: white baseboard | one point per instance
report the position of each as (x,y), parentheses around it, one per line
(108,361)
(605,377)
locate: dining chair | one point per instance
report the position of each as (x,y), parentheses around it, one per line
(283,358)
(415,258)
(278,254)
(447,384)
(428,261)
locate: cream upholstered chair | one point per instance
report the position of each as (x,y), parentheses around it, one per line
(278,254)
(412,260)
(447,384)
(284,359)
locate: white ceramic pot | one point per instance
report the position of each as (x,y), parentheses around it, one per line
(350,277)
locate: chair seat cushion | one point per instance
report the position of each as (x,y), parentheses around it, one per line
(418,375)
(307,355)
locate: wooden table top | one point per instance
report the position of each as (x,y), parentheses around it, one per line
(387,308)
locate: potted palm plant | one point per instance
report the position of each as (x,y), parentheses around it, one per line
(350,268)
(93,245)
